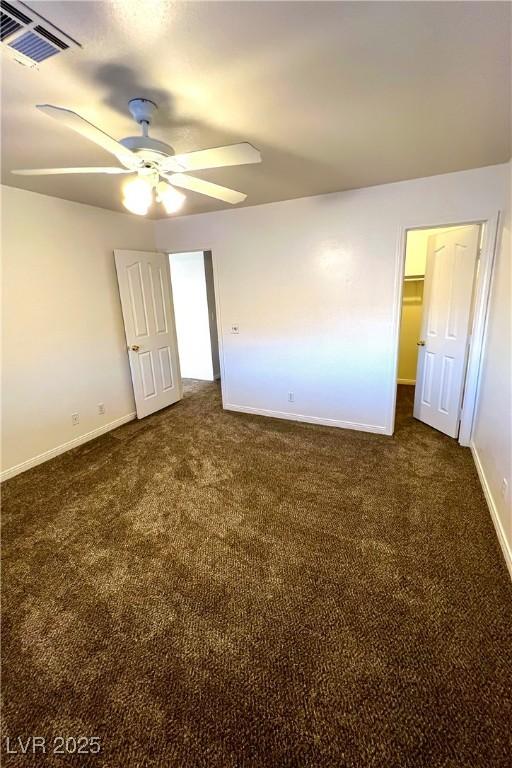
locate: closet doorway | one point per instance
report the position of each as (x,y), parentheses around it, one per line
(441,266)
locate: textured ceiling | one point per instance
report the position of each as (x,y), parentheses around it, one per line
(336,95)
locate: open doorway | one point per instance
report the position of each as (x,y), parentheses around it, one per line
(194,311)
(438,297)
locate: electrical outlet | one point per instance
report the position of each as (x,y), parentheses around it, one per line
(101,408)
(235,328)
(504,487)
(75,419)
(291,397)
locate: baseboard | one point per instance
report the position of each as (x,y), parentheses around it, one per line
(505,546)
(411,382)
(307,419)
(42,457)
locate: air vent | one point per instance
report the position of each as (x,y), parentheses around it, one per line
(7,25)
(55,40)
(15,12)
(12,20)
(28,41)
(34,47)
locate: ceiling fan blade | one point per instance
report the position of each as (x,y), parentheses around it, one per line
(54,171)
(206,188)
(89,131)
(218,157)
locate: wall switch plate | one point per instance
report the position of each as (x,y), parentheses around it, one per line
(504,487)
(235,328)
(75,419)
(291,397)
(101,408)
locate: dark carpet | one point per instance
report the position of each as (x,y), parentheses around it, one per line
(205,588)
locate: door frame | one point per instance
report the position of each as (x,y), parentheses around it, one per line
(482,291)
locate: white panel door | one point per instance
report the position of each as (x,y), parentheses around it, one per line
(146,300)
(448,293)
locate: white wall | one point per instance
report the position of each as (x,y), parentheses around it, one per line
(313,284)
(191,313)
(64,348)
(492,441)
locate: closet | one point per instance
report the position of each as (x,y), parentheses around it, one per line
(412,308)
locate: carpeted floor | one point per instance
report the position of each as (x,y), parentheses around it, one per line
(211,589)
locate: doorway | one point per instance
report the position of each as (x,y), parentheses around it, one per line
(438,298)
(194,311)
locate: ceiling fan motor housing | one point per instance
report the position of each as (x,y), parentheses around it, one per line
(142,110)
(151,150)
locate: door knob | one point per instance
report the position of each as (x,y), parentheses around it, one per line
(420,343)
(135,347)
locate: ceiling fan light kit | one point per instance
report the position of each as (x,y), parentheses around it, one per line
(138,195)
(159,170)
(171,199)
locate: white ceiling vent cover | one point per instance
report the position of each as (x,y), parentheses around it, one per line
(27,37)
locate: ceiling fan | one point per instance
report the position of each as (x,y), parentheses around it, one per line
(157,166)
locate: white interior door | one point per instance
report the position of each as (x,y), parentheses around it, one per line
(146,300)
(448,292)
